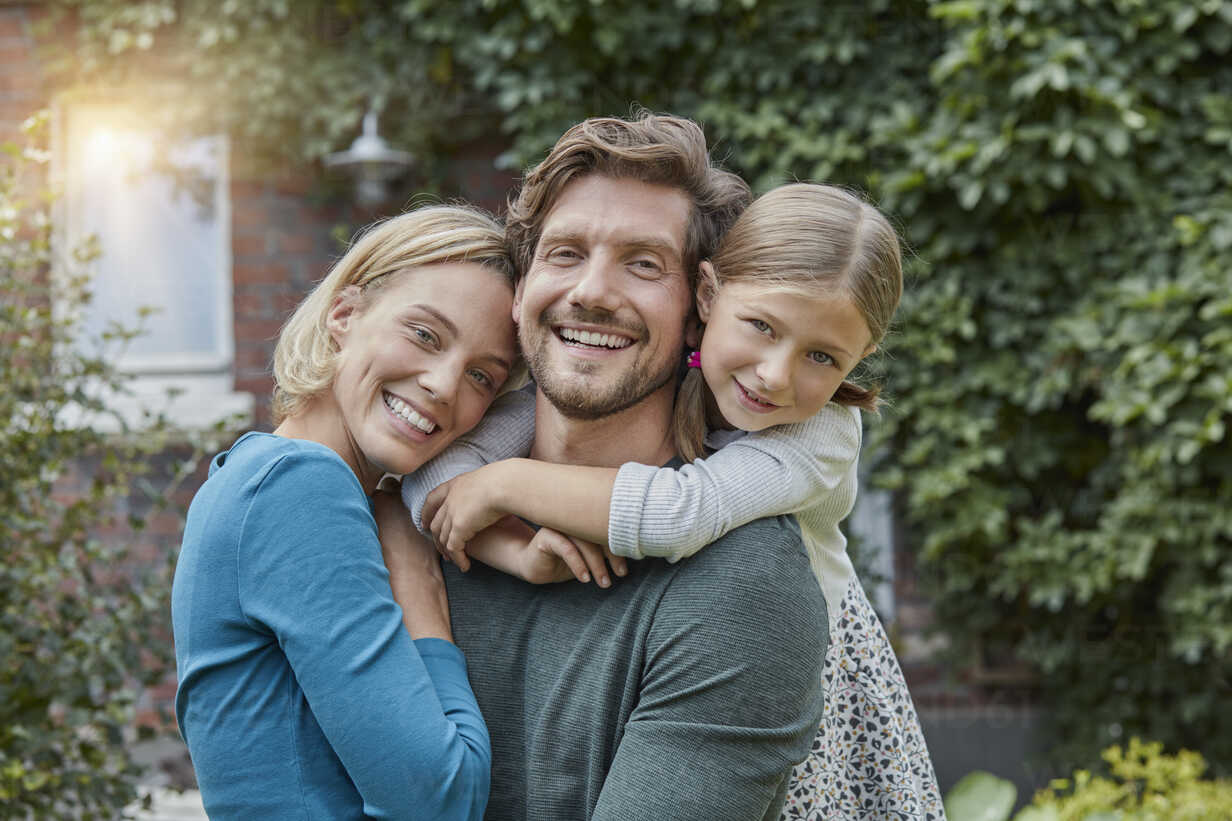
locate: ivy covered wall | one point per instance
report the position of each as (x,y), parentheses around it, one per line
(1061,170)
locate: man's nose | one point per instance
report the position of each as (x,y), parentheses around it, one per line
(596,285)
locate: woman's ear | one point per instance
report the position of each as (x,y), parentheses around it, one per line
(707,288)
(342,311)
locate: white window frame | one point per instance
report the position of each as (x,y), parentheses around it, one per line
(202,382)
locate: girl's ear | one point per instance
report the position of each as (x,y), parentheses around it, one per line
(342,311)
(707,288)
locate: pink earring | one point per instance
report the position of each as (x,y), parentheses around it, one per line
(694,360)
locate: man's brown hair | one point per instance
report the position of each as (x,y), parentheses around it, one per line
(651,148)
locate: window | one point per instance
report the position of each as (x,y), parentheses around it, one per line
(159,212)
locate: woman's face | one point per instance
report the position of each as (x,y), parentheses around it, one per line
(420,359)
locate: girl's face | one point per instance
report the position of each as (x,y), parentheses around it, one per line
(776,357)
(419,362)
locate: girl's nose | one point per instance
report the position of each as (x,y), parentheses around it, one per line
(774,372)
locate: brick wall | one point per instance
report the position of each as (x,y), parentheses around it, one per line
(21,80)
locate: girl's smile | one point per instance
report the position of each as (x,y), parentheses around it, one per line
(775,357)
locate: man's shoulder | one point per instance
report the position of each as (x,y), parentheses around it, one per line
(774,542)
(760,567)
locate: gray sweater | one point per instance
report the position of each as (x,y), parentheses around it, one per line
(685,691)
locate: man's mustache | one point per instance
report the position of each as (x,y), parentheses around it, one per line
(585,316)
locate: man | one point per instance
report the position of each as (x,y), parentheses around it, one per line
(686,690)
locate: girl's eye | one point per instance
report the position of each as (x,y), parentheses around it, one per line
(821,358)
(481,378)
(761,326)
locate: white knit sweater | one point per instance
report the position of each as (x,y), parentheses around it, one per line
(806,469)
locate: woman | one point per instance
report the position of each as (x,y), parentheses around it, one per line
(308,688)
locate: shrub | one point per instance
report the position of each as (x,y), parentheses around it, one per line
(82,623)
(1143,784)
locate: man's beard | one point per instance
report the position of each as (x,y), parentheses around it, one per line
(574,396)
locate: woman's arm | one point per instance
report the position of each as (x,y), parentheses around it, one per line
(414,571)
(399,713)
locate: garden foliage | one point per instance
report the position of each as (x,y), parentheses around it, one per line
(1142,783)
(82,628)
(1061,170)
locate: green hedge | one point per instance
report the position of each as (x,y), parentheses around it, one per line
(83,620)
(1061,170)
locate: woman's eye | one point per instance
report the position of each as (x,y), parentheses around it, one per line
(821,358)
(424,335)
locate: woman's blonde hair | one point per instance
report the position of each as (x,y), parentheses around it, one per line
(305,356)
(814,240)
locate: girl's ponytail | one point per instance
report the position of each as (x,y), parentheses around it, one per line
(689,416)
(850,393)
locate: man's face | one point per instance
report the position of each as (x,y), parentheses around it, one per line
(601,312)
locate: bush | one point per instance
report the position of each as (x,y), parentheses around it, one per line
(1144,784)
(83,625)
(1061,169)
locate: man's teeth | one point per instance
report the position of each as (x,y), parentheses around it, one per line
(408,413)
(592,338)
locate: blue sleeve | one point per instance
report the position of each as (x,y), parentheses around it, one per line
(399,714)
(506,430)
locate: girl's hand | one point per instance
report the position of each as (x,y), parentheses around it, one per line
(462,507)
(551,556)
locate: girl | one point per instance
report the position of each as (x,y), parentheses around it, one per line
(803,287)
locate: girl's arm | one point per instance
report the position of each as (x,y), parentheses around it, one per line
(780,470)
(643,510)
(506,430)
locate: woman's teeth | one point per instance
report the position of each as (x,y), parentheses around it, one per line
(408,413)
(592,338)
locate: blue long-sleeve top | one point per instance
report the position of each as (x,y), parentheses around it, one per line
(301,695)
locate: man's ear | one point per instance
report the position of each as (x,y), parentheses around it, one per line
(342,311)
(517,299)
(707,288)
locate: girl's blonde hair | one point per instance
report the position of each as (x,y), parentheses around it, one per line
(814,240)
(305,356)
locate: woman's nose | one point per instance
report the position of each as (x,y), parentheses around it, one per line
(440,380)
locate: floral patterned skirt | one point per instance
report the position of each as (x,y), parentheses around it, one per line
(869,760)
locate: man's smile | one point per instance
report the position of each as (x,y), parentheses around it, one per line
(577,337)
